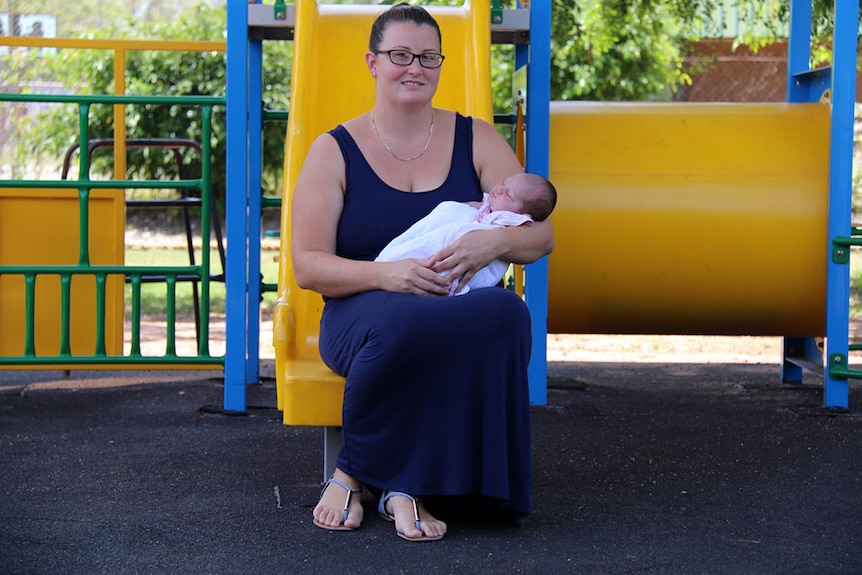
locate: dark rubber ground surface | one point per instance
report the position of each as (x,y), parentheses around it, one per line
(645,468)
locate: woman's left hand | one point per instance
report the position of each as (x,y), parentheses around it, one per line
(467,255)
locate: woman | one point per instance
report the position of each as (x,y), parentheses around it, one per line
(436,399)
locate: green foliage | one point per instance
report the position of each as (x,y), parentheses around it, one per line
(153,295)
(105,18)
(634,50)
(610,50)
(165,73)
(601,50)
(766,21)
(616,50)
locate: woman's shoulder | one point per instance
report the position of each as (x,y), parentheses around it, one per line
(493,157)
(326,149)
(473,121)
(327,141)
(482,129)
(482,132)
(357,125)
(344,133)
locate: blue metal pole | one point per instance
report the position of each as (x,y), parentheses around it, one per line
(255,166)
(798,49)
(845,39)
(236,224)
(538,161)
(798,63)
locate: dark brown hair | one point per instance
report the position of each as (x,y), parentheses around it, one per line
(543,197)
(402,12)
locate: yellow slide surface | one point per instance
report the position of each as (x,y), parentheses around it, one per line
(331,84)
(689,218)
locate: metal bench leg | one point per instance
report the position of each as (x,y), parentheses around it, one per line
(331,447)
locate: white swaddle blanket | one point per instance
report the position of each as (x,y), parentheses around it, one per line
(445,224)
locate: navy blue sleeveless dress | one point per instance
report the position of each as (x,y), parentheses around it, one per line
(436,401)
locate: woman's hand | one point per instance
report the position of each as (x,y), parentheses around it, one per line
(461,259)
(413,276)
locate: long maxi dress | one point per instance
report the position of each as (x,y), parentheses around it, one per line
(436,401)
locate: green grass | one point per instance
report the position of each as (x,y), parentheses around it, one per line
(856,286)
(154,295)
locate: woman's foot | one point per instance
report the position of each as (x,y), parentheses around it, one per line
(339,508)
(412,520)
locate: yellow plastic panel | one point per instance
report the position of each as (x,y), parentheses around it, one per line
(689,218)
(40,227)
(331,84)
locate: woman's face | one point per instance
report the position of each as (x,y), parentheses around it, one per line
(411,83)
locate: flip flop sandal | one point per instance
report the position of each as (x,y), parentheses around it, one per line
(346,512)
(381,509)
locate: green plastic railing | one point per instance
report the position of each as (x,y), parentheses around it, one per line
(100,273)
(841,248)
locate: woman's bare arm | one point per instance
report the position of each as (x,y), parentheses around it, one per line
(494,161)
(318,201)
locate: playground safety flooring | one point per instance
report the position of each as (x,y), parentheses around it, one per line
(661,465)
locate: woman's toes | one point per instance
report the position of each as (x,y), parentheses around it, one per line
(433,528)
(329,511)
(405,520)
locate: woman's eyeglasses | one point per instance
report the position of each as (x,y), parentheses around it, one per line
(405,58)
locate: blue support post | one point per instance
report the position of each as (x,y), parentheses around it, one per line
(798,51)
(255,189)
(236,224)
(835,393)
(538,161)
(798,75)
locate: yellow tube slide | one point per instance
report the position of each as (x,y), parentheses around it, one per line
(689,218)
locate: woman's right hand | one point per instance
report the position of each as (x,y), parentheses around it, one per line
(413,276)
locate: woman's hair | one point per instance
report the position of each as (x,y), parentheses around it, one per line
(398,13)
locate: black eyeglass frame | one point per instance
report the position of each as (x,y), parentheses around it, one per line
(414,57)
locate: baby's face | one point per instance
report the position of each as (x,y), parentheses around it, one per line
(508,195)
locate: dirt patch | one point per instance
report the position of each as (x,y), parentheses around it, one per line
(664,349)
(560,347)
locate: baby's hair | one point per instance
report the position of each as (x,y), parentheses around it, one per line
(402,12)
(543,197)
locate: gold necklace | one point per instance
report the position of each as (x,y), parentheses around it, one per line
(389,149)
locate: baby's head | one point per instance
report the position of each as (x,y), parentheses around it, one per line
(524,193)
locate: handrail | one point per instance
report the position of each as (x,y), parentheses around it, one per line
(84,185)
(115,99)
(184,202)
(114,44)
(119,47)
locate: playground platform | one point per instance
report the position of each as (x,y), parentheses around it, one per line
(655,467)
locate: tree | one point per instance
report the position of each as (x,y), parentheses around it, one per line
(634,50)
(104,17)
(601,50)
(166,74)
(616,50)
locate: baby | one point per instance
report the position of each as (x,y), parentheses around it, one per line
(518,200)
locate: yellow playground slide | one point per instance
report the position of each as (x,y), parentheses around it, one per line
(331,84)
(672,218)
